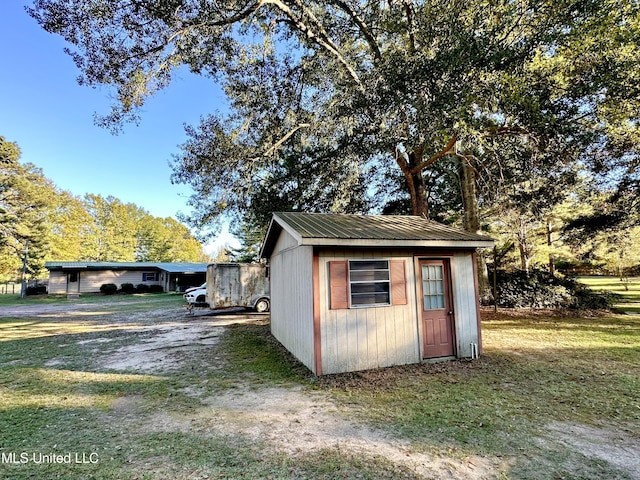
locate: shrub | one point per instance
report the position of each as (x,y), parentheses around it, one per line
(156,289)
(37,290)
(127,288)
(540,289)
(602,300)
(108,288)
(143,288)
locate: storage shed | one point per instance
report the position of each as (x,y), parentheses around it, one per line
(356,292)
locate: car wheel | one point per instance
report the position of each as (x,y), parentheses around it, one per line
(200,298)
(262,305)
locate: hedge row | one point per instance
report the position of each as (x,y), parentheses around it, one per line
(112,288)
(540,289)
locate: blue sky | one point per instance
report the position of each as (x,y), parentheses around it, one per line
(50,116)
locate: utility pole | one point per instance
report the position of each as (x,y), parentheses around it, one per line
(23,290)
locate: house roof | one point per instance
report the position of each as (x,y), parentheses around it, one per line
(181,267)
(368,230)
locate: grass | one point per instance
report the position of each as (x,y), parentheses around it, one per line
(538,369)
(138,298)
(627,290)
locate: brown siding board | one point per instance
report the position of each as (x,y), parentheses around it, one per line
(398,282)
(339,285)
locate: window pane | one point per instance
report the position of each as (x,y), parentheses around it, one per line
(369,282)
(427,302)
(369,275)
(380,287)
(439,301)
(433,287)
(369,265)
(370,299)
(438,272)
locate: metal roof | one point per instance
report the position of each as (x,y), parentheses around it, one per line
(368,230)
(181,267)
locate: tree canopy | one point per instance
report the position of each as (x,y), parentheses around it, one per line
(24,223)
(351,105)
(60,226)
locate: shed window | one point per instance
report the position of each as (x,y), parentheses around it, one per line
(150,276)
(369,282)
(361,283)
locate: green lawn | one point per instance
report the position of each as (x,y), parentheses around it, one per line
(628,290)
(540,372)
(13,300)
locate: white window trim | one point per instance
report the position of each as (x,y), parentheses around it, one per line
(145,274)
(350,282)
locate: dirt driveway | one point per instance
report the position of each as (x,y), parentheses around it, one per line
(290,419)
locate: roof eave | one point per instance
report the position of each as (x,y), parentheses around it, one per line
(276,226)
(363,242)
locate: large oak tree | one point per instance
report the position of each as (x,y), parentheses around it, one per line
(350,87)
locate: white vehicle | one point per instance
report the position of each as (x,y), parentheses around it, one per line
(191,289)
(196,295)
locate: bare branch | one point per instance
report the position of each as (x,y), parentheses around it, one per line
(364,28)
(449,148)
(278,144)
(321,38)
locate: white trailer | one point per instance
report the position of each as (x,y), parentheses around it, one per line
(233,285)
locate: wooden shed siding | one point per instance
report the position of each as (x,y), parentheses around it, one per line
(285,241)
(364,338)
(292,301)
(464,297)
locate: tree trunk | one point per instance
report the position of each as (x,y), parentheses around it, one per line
(552,262)
(524,264)
(471,221)
(415,183)
(419,203)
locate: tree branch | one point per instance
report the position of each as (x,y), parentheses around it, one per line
(446,150)
(408,9)
(322,38)
(507,131)
(278,144)
(364,28)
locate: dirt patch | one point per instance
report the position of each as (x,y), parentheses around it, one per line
(615,447)
(296,421)
(291,420)
(159,350)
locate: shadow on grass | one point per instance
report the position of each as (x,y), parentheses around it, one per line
(619,328)
(498,405)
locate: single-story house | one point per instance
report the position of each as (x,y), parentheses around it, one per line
(87,277)
(356,292)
